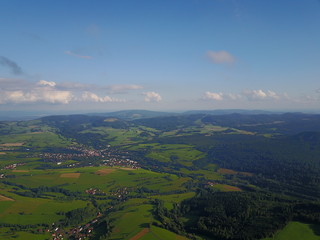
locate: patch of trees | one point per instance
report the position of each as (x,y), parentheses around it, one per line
(79,215)
(19,227)
(284,164)
(169,219)
(288,123)
(42,191)
(234,215)
(293,161)
(169,123)
(102,230)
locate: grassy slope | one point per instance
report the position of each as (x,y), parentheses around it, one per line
(161,234)
(297,231)
(7,234)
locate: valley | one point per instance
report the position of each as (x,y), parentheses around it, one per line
(185,176)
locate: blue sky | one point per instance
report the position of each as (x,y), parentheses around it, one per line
(159,55)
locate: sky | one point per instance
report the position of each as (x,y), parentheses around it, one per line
(168,55)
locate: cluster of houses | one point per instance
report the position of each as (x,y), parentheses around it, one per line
(95,191)
(211,184)
(121,193)
(127,163)
(80,232)
(79,153)
(12,166)
(113,157)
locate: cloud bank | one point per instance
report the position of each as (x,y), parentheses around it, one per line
(19,91)
(256,95)
(36,95)
(251,95)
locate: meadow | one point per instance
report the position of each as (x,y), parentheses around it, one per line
(297,231)
(29,210)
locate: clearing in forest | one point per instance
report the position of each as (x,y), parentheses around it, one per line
(226,188)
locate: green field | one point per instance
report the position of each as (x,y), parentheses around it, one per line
(161,234)
(175,153)
(7,234)
(135,216)
(25,210)
(298,231)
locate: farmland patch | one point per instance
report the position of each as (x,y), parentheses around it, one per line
(140,234)
(226,188)
(18,144)
(104,171)
(3,198)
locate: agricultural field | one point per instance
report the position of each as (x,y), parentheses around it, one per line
(9,234)
(113,182)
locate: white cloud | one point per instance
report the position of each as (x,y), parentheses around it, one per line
(36,95)
(213,96)
(261,95)
(55,96)
(152,97)
(220,96)
(46,83)
(77,55)
(92,97)
(23,91)
(220,57)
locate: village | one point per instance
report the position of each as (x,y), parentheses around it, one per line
(106,157)
(77,233)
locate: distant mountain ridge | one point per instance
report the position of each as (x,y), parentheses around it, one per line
(134,114)
(129,114)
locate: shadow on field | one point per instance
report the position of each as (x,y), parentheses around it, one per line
(144,225)
(315,228)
